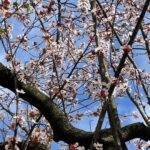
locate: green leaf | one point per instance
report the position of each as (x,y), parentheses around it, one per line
(27,6)
(2,30)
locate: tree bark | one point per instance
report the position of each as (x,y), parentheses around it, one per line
(62,128)
(35,146)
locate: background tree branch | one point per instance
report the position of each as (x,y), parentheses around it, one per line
(61,126)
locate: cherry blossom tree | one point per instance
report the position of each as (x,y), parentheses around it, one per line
(64,60)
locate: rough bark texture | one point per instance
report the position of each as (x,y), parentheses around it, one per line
(36,146)
(62,129)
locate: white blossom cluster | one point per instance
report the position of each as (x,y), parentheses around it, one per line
(83,6)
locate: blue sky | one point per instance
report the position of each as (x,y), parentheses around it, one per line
(124,105)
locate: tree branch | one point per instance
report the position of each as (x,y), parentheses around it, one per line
(62,128)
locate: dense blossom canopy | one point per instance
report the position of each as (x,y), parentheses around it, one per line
(68,61)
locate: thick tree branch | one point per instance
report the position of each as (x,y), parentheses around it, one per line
(63,130)
(112,108)
(31,146)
